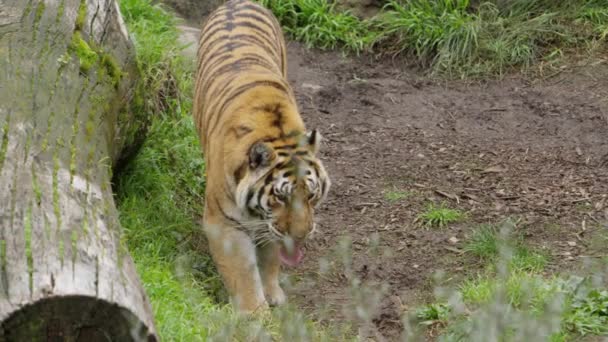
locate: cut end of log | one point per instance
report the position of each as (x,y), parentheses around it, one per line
(74,318)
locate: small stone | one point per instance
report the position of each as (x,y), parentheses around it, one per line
(571,243)
(416,265)
(453,240)
(314,87)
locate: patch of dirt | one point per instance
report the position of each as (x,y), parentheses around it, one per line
(533,151)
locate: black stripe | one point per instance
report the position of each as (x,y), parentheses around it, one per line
(226,216)
(221,91)
(209,65)
(315,167)
(211,29)
(262,34)
(242,89)
(204,56)
(323,186)
(268,179)
(286,147)
(264,12)
(256,18)
(241,131)
(255,41)
(218,94)
(238,65)
(263,43)
(250,194)
(302,153)
(256,8)
(228,47)
(239,173)
(261,191)
(248,86)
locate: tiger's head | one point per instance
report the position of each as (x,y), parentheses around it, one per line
(283,183)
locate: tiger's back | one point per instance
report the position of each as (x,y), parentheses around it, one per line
(241,48)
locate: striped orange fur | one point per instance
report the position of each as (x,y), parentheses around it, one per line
(264,178)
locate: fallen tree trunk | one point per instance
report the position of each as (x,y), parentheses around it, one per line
(66,72)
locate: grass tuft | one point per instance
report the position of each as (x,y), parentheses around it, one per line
(432,313)
(439,216)
(487,243)
(396,195)
(158,55)
(317,23)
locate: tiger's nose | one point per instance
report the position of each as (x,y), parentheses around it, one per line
(300,236)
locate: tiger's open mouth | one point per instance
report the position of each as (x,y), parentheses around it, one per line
(291,257)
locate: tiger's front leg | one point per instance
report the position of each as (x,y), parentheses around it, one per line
(235,256)
(270,267)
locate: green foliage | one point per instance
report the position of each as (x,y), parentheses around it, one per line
(439,31)
(439,216)
(588,313)
(318,23)
(594,15)
(432,313)
(512,300)
(159,61)
(453,37)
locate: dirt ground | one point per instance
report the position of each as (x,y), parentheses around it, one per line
(535,151)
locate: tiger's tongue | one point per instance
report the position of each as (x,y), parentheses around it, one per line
(291,259)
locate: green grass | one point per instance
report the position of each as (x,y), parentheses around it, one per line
(395,195)
(453,37)
(513,299)
(432,313)
(487,243)
(439,216)
(318,23)
(158,55)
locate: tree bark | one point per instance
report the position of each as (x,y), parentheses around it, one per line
(67,70)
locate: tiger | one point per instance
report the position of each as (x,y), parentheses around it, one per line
(264,176)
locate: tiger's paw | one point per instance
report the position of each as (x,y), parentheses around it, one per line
(275,295)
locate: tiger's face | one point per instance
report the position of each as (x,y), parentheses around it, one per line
(285,183)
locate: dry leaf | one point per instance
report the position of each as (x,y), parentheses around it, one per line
(448,195)
(494,169)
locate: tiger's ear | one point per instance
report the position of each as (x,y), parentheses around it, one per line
(314,140)
(260,155)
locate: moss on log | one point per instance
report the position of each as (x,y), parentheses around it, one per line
(67,70)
